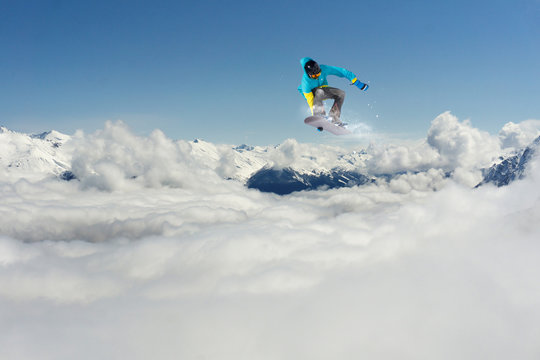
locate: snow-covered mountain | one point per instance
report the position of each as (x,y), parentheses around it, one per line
(115,154)
(40,155)
(230,162)
(51,154)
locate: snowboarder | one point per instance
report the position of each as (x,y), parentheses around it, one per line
(315,88)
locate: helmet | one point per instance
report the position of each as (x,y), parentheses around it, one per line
(312,69)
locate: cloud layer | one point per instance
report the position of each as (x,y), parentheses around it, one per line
(155,254)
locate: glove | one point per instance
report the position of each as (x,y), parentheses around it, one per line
(360,85)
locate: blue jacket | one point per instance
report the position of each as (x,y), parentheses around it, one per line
(308,84)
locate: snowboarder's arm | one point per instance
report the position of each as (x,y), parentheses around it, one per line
(337,71)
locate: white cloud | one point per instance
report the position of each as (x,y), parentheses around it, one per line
(114,158)
(161,257)
(451,145)
(390,158)
(461,145)
(519,135)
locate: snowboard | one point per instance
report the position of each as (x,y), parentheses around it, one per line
(320,123)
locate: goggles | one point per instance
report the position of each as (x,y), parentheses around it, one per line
(315,76)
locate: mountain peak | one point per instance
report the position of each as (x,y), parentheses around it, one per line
(51,135)
(4,130)
(25,154)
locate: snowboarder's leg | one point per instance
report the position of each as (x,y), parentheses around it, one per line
(339,96)
(318,96)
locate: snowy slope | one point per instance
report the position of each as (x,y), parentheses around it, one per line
(230,162)
(33,156)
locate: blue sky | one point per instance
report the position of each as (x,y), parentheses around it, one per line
(227,72)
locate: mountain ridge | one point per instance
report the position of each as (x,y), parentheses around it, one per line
(280,169)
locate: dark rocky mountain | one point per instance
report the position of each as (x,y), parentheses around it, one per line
(288,180)
(512,168)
